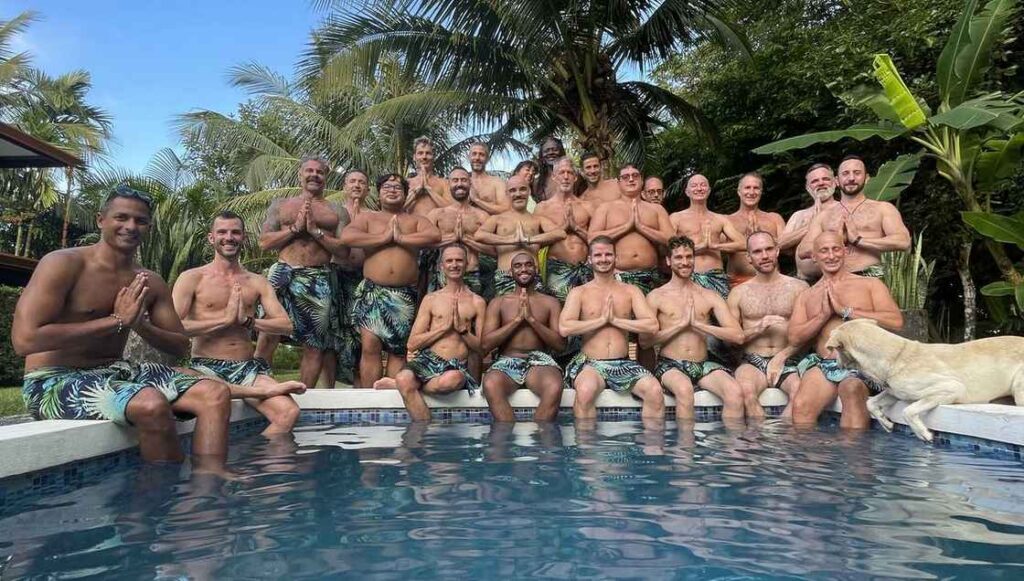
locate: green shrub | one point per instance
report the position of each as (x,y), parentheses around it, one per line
(11,366)
(286,358)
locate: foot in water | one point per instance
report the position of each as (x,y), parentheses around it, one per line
(385,383)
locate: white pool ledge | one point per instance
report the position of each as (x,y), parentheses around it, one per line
(34,446)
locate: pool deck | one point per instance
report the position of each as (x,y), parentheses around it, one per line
(33,446)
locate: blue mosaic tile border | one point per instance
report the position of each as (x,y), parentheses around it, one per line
(389,417)
(17,490)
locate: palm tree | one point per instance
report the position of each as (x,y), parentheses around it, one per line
(12,65)
(535,67)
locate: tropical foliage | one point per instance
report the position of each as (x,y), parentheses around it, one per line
(974,135)
(907,275)
(55,110)
(525,67)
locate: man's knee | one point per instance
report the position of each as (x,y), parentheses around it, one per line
(494,387)
(549,385)
(283,411)
(213,395)
(649,390)
(852,390)
(149,409)
(407,382)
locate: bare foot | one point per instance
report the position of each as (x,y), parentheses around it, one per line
(284,388)
(385,383)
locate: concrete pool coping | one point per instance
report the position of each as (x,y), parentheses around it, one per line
(34,446)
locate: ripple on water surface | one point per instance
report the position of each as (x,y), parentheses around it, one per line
(614,501)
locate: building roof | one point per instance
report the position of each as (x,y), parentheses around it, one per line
(19,149)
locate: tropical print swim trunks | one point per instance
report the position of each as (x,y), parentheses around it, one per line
(835,372)
(873,271)
(761,363)
(516,368)
(238,372)
(348,346)
(427,365)
(645,279)
(713,280)
(98,393)
(488,265)
(562,277)
(386,311)
(620,375)
(695,370)
(307,295)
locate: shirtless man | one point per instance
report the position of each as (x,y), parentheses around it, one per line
(763,306)
(384,305)
(523,327)
(706,229)
(217,304)
(747,220)
(458,223)
(515,230)
(838,297)
(487,191)
(304,230)
(820,183)
(683,310)
(427,192)
(567,259)
(869,227)
(551,150)
(605,311)
(448,329)
(654,190)
(71,325)
(638,229)
(598,190)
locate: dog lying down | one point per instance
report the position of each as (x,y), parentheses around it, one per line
(929,375)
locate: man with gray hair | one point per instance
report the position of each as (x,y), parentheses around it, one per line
(305,230)
(820,183)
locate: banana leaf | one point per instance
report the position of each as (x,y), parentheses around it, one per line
(999,161)
(893,177)
(958,41)
(902,100)
(988,110)
(974,59)
(1004,229)
(857,132)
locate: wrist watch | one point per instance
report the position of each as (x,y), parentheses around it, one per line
(319,233)
(846,314)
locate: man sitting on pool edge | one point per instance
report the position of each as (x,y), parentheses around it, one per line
(71,325)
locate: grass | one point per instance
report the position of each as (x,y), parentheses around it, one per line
(10,401)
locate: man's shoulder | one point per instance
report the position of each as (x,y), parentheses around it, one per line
(67,256)
(801,215)
(794,282)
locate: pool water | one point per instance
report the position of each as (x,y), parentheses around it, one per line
(475,501)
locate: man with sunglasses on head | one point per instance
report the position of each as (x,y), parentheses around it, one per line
(71,325)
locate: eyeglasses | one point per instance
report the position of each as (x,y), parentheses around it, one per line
(629,176)
(123,191)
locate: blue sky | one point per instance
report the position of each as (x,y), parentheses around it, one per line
(151,60)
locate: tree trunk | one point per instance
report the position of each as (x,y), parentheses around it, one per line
(137,350)
(17,238)
(970,293)
(67,210)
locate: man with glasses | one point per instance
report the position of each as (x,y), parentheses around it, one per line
(305,230)
(638,229)
(384,305)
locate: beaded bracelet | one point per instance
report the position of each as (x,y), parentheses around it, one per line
(120,323)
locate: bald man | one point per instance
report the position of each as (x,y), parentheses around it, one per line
(712,234)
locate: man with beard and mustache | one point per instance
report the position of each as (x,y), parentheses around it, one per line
(551,150)
(763,306)
(487,191)
(71,325)
(598,190)
(706,229)
(750,218)
(384,305)
(304,230)
(216,304)
(523,327)
(604,312)
(869,227)
(516,229)
(638,229)
(458,223)
(683,310)
(838,297)
(820,184)
(447,332)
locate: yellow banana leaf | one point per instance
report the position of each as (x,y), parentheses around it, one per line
(900,97)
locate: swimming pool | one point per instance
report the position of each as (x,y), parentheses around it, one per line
(483,501)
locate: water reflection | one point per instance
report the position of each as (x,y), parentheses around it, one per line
(595,499)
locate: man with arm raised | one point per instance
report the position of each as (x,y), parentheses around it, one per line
(605,311)
(523,326)
(838,297)
(384,305)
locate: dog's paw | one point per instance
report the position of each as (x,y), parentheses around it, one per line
(886,423)
(922,433)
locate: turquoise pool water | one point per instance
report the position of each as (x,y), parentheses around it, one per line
(474,501)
